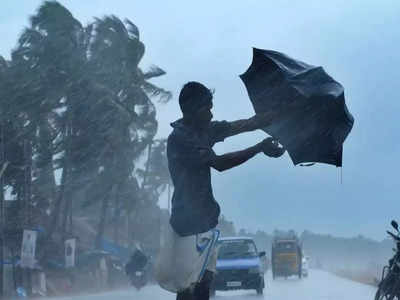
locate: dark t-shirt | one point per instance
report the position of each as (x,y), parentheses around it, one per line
(194,209)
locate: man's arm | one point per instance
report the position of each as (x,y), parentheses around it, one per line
(258,121)
(222,130)
(233,159)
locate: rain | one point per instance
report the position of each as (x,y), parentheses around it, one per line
(175,150)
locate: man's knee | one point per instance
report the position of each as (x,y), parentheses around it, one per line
(202,289)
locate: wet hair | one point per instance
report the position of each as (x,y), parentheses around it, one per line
(194,96)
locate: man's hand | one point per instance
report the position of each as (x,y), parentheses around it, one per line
(271,147)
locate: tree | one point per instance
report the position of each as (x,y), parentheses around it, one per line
(78,98)
(130,123)
(155,180)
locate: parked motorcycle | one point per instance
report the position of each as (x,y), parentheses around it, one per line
(389,286)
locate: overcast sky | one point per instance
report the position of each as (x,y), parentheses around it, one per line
(357,42)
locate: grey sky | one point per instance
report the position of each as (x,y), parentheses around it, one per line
(356,41)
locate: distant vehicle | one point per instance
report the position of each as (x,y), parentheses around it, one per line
(304,266)
(137,269)
(286,257)
(238,266)
(138,279)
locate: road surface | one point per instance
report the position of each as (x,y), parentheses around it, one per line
(318,286)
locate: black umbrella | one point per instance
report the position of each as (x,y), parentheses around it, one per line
(314,120)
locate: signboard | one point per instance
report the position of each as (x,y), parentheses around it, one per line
(70,246)
(28,249)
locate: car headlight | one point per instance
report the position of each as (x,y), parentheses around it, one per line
(254,270)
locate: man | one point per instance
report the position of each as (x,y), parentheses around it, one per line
(137,262)
(190,159)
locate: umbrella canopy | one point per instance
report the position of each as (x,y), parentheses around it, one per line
(316,121)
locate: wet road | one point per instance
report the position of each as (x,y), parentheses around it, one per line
(318,286)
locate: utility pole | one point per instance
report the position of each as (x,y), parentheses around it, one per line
(27,199)
(28,181)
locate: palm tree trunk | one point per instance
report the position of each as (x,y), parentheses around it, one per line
(66,213)
(70,215)
(28,182)
(117,217)
(64,180)
(59,201)
(128,228)
(103,215)
(46,182)
(146,172)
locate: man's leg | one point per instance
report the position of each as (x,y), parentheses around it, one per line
(202,289)
(185,295)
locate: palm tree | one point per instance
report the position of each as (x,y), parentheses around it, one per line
(114,54)
(155,181)
(77,99)
(49,58)
(156,175)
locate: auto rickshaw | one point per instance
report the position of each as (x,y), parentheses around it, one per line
(286,257)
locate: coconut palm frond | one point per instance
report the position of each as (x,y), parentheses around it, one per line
(30,37)
(154,91)
(111,25)
(51,15)
(154,71)
(3,64)
(133,30)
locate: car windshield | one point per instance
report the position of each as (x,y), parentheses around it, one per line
(237,249)
(285,246)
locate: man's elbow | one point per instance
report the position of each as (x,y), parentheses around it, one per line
(219,166)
